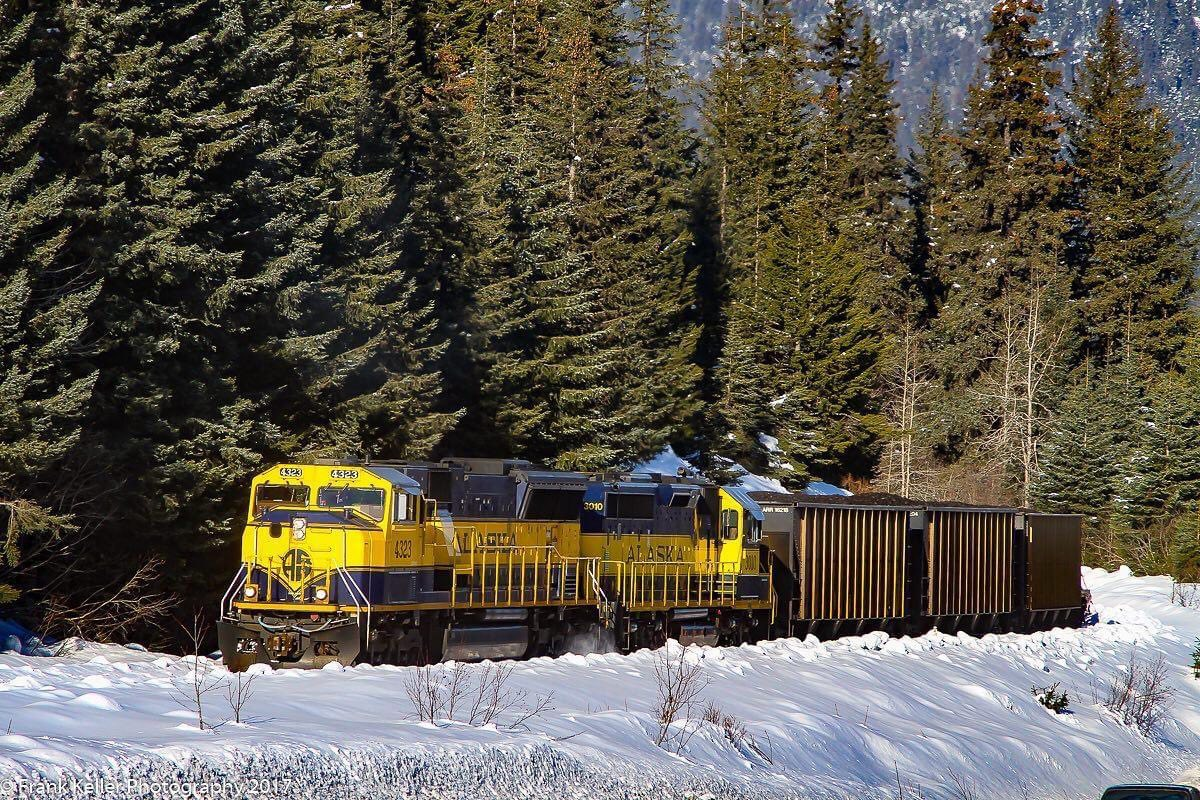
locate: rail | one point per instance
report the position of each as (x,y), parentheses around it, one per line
(520,575)
(658,584)
(227,598)
(356,593)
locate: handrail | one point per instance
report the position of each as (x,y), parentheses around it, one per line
(355,593)
(514,563)
(683,584)
(227,598)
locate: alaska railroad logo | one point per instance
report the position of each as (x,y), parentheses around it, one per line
(297,565)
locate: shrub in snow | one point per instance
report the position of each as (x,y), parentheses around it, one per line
(679,684)
(1185,594)
(474,694)
(735,731)
(1139,694)
(1196,660)
(1052,698)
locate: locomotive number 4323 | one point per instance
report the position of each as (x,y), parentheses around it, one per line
(403,548)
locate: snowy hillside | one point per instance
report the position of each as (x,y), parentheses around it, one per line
(939,43)
(826,720)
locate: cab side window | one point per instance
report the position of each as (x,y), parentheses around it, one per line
(729,523)
(403,508)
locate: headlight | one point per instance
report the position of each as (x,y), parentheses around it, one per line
(321,594)
(299,528)
(249,592)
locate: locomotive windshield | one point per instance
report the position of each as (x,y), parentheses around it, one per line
(368,501)
(269,496)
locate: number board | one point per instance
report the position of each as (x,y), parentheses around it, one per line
(344,474)
(290,472)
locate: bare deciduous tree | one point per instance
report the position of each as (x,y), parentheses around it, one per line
(679,683)
(112,609)
(1185,594)
(906,464)
(238,692)
(201,679)
(1013,393)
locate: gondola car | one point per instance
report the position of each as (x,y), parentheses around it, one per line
(853,564)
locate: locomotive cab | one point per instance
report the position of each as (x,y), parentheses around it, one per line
(313,538)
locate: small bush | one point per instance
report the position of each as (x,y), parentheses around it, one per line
(1052,698)
(735,731)
(1185,594)
(475,695)
(1139,694)
(1196,660)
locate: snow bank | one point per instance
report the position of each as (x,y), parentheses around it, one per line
(831,720)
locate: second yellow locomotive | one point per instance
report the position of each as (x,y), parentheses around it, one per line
(411,563)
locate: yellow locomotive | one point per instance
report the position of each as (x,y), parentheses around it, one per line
(414,562)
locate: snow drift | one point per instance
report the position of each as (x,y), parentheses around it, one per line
(829,720)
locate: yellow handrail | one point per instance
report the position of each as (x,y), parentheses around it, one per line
(500,575)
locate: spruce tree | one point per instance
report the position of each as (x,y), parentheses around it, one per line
(169,438)
(857,181)
(1094,428)
(1138,248)
(370,374)
(514,218)
(45,383)
(594,355)
(930,172)
(1005,334)
(755,115)
(659,172)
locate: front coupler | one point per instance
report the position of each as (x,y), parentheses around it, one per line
(285,642)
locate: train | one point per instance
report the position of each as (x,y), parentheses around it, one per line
(412,563)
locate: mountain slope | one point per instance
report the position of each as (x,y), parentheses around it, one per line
(938,43)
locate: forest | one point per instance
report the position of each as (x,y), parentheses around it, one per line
(234,232)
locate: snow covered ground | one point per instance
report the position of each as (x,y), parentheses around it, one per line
(829,720)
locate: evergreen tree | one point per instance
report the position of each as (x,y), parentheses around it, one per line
(858,183)
(858,168)
(596,355)
(371,380)
(1154,515)
(659,223)
(45,385)
(1138,249)
(930,172)
(575,156)
(1080,471)
(756,123)
(514,216)
(1005,333)
(169,438)
(837,51)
